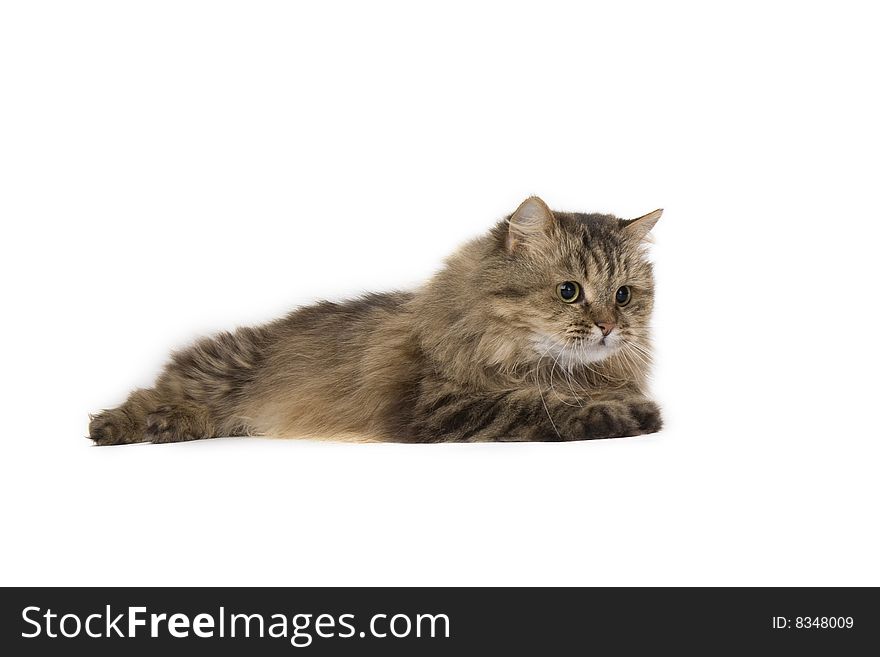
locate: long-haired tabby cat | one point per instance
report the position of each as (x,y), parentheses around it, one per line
(538,330)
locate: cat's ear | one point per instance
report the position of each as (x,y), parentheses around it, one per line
(641,226)
(531,221)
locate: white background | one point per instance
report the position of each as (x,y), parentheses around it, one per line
(169,169)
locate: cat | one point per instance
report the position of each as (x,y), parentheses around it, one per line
(536,331)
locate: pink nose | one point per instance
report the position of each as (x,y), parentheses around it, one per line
(606,327)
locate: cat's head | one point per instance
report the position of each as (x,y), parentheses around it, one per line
(577,287)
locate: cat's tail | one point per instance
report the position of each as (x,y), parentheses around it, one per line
(198,395)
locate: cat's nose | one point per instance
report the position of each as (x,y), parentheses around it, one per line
(606,327)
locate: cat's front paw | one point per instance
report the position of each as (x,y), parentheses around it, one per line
(617,419)
(647,414)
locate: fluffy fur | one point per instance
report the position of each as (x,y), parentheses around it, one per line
(486,350)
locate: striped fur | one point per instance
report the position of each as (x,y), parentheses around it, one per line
(485,351)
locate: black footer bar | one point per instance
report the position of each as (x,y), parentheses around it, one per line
(429,621)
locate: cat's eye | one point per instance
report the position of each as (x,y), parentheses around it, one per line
(623,295)
(568,291)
